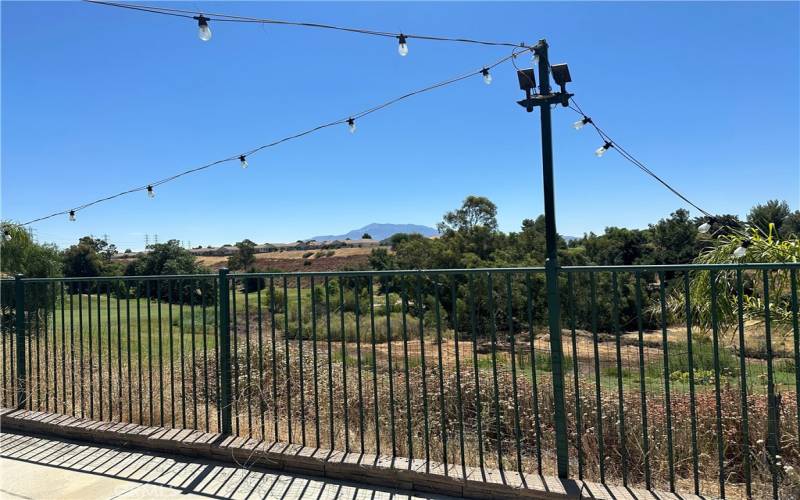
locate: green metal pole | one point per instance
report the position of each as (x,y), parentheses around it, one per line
(225,352)
(551,267)
(19,296)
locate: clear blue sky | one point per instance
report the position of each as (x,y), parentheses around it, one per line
(96,100)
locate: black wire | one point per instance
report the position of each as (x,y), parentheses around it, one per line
(243,19)
(628,156)
(236,156)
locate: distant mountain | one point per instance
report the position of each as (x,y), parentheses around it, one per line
(379,232)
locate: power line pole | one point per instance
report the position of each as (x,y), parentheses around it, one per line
(146,241)
(544,100)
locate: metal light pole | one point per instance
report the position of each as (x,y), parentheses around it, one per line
(544,100)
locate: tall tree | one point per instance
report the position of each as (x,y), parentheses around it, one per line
(772,212)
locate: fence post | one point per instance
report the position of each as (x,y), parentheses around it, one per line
(225,352)
(19,302)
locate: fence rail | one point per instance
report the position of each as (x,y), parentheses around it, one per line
(675,377)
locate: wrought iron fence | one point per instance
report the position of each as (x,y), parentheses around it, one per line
(680,378)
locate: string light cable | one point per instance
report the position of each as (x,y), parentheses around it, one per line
(609,143)
(242,157)
(203,19)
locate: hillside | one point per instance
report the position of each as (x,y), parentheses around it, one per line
(379,232)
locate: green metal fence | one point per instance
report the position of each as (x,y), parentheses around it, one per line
(680,378)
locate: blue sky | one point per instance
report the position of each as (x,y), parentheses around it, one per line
(96,100)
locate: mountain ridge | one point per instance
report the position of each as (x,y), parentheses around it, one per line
(379,231)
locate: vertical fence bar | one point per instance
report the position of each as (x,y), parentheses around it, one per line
(662,295)
(150,354)
(517,430)
(260,319)
(232,298)
(130,349)
(796,330)
(89,348)
(287,348)
(346,428)
(39,365)
(534,382)
(64,353)
(99,350)
(409,437)
(772,404)
(247,356)
(204,305)
(171,356)
(274,359)
(109,345)
(375,404)
(19,317)
(692,408)
(743,386)
(46,363)
(642,382)
(315,359)
(493,338)
(301,363)
(576,379)
(421,319)
(476,369)
(72,352)
(119,352)
(193,287)
(712,276)
(225,352)
(357,300)
(621,399)
(160,354)
(442,416)
(597,392)
(331,434)
(391,375)
(459,399)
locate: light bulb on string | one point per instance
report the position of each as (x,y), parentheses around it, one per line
(243,161)
(580,123)
(402,48)
(351,125)
(72,215)
(599,152)
(6,235)
(487,77)
(704,228)
(741,250)
(150,193)
(203,31)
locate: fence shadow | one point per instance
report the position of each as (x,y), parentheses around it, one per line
(148,471)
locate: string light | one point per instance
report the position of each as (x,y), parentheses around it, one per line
(355,116)
(150,193)
(628,156)
(249,20)
(402,48)
(351,125)
(6,235)
(599,152)
(243,161)
(580,123)
(487,77)
(741,250)
(704,227)
(72,215)
(203,31)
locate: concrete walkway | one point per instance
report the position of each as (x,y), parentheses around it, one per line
(40,468)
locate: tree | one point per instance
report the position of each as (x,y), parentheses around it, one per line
(472,229)
(21,255)
(771,212)
(245,257)
(169,259)
(675,239)
(366,236)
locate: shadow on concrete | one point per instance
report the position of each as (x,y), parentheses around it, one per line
(198,477)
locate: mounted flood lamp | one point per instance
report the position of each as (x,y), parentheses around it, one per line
(561,76)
